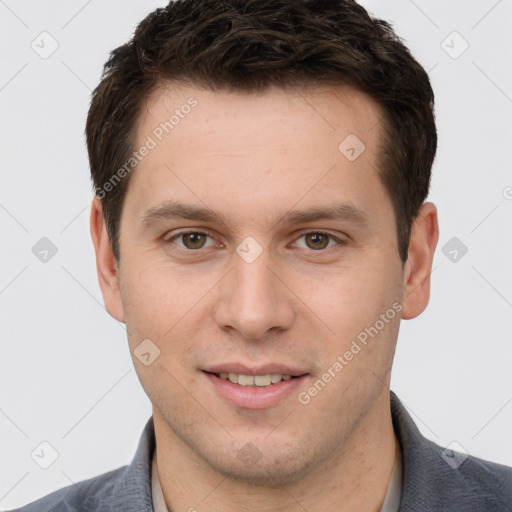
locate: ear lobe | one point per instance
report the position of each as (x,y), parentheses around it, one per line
(106,263)
(418,267)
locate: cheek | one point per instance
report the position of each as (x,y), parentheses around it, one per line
(164,305)
(354,298)
(363,310)
(162,310)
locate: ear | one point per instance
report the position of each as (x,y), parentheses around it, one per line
(418,267)
(106,263)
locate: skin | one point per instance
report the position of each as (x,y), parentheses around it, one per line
(253,158)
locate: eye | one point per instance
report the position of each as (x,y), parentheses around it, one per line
(191,240)
(317,240)
(195,240)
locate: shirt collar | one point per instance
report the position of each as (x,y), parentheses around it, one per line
(394,492)
(156,488)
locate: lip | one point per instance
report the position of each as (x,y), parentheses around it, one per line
(265,369)
(249,397)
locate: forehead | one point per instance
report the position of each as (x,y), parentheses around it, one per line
(336,107)
(239,153)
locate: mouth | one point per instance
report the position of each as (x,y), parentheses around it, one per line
(260,381)
(255,388)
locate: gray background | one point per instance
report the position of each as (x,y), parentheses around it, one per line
(66,376)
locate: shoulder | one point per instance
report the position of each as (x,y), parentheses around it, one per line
(437,478)
(126,489)
(86,496)
(468,483)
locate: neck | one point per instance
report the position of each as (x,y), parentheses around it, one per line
(355,478)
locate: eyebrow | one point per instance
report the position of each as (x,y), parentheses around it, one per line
(173,209)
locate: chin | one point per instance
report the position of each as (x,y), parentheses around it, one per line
(252,468)
(265,475)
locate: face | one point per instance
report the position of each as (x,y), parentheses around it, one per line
(256,239)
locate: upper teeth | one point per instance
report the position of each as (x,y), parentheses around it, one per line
(254,380)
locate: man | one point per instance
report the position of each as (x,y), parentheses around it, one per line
(260,226)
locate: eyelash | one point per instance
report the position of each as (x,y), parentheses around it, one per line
(339,241)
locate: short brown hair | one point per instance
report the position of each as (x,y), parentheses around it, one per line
(250,45)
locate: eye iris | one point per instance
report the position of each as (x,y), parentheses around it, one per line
(319,240)
(194,240)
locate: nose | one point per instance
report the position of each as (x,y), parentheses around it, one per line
(254,301)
